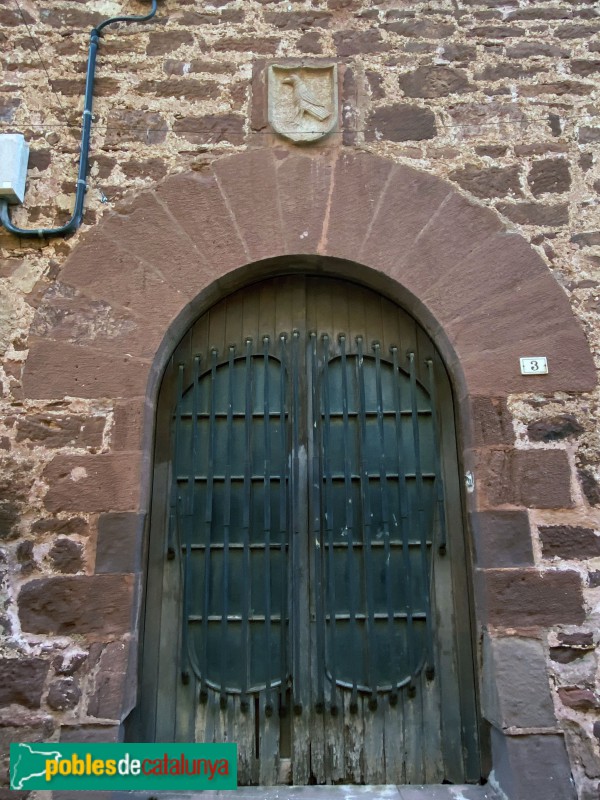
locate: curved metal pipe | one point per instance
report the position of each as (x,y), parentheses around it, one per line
(84,150)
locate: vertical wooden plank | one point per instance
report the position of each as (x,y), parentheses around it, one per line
(205,717)
(373,758)
(353,740)
(393,741)
(413,750)
(268,750)
(169,668)
(335,754)
(246,741)
(432,733)
(185,708)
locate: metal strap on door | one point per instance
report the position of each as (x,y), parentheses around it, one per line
(376,502)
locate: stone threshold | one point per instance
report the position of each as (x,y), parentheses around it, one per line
(371,792)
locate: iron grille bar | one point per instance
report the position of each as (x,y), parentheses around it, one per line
(385,518)
(295,519)
(277,617)
(406,412)
(405,515)
(277,545)
(438,468)
(226,527)
(367,522)
(373,476)
(316,532)
(283,519)
(267,523)
(329,520)
(421,508)
(349,520)
(247,584)
(191,504)
(208,516)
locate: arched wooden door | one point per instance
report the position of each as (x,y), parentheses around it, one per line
(307,585)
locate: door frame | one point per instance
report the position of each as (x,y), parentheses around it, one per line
(462,602)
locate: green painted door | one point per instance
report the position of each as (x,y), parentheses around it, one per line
(306,592)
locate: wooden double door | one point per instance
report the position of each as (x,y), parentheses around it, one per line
(307,586)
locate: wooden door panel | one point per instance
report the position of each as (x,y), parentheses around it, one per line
(304,607)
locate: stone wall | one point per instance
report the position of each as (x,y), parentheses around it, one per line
(498,98)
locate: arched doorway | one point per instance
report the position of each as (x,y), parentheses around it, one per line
(307,587)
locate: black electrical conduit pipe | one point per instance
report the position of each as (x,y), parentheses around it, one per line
(84,149)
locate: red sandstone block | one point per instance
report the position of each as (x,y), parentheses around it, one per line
(107,482)
(521,598)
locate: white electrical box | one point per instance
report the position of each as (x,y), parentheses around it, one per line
(14,155)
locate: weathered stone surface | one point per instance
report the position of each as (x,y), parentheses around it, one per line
(569,541)
(128,125)
(211,129)
(352,43)
(84,734)
(421,28)
(589,486)
(298,20)
(535,213)
(579,698)
(22,681)
(231,16)
(566,655)
(189,89)
(549,175)
(552,429)
(588,239)
(488,181)
(74,525)
(533,766)
(435,81)
(401,122)
(516,688)
(502,539)
(162,42)
(492,421)
(108,697)
(63,694)
(523,598)
(119,542)
(588,135)
(95,606)
(61,430)
(531,478)
(310,42)
(108,482)
(66,556)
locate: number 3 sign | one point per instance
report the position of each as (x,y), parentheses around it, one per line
(534,365)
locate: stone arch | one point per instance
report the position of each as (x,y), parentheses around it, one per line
(146,271)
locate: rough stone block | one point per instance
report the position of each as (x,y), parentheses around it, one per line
(22,681)
(106,482)
(492,421)
(59,369)
(98,606)
(74,734)
(502,539)
(532,767)
(530,478)
(549,175)
(118,547)
(434,81)
(516,690)
(401,122)
(522,598)
(569,541)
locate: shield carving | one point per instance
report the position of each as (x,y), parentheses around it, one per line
(303,101)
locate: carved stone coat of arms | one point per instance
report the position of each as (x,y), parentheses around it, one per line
(303,101)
